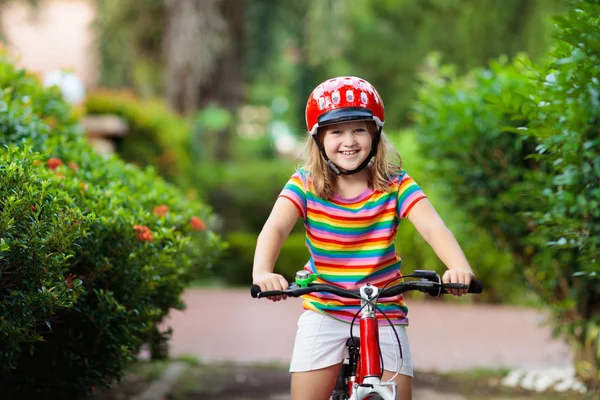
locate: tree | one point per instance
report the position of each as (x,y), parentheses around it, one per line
(195,37)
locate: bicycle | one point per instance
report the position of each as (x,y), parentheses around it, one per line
(360,375)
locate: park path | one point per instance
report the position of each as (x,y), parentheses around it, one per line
(228,325)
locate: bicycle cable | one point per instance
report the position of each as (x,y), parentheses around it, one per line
(392,327)
(373,302)
(378,343)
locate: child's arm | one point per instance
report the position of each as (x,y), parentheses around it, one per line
(274,233)
(433,229)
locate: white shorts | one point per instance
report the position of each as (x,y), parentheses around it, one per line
(321,342)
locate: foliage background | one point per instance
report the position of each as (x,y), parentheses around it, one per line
(94,252)
(493,106)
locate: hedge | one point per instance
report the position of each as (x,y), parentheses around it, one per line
(156,136)
(519,145)
(94,252)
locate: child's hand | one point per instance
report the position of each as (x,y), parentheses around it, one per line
(458,276)
(271,281)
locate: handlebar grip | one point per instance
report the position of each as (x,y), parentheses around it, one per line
(254,291)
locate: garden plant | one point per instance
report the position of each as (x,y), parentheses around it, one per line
(94,252)
(519,146)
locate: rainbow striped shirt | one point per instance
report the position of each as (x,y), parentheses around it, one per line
(351,242)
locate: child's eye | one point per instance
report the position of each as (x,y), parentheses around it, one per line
(335,132)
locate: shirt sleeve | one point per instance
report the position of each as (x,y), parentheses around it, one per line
(409,194)
(295,191)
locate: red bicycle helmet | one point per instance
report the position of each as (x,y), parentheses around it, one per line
(344,98)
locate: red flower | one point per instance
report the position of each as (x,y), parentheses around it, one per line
(197,224)
(161,210)
(69,280)
(54,163)
(143,233)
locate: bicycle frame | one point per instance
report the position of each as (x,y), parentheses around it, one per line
(367,378)
(368,374)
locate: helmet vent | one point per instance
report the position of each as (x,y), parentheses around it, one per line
(349,96)
(363,98)
(335,97)
(321,103)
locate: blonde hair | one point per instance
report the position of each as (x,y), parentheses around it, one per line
(384,164)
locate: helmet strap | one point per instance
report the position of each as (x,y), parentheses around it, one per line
(340,171)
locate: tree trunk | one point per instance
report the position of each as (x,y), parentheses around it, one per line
(224,88)
(195,35)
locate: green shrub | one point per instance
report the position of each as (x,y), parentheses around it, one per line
(565,117)
(236,264)
(156,136)
(520,146)
(472,146)
(491,264)
(40,232)
(137,244)
(244,194)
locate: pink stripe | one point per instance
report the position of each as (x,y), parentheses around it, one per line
(313,205)
(288,194)
(335,236)
(408,202)
(376,262)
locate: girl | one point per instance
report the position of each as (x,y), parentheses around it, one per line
(351,194)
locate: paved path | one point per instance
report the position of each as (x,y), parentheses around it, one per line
(229,325)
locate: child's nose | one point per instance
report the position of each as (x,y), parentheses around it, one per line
(349,138)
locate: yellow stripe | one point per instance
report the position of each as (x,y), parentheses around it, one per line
(379,244)
(349,223)
(336,270)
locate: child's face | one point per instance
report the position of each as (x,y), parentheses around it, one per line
(347,144)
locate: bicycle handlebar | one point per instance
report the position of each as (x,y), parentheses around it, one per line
(426,286)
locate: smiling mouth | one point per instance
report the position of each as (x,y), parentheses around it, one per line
(349,153)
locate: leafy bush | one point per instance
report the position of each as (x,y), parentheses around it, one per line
(565,114)
(474,148)
(491,264)
(244,194)
(528,167)
(156,136)
(480,162)
(102,285)
(236,264)
(41,232)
